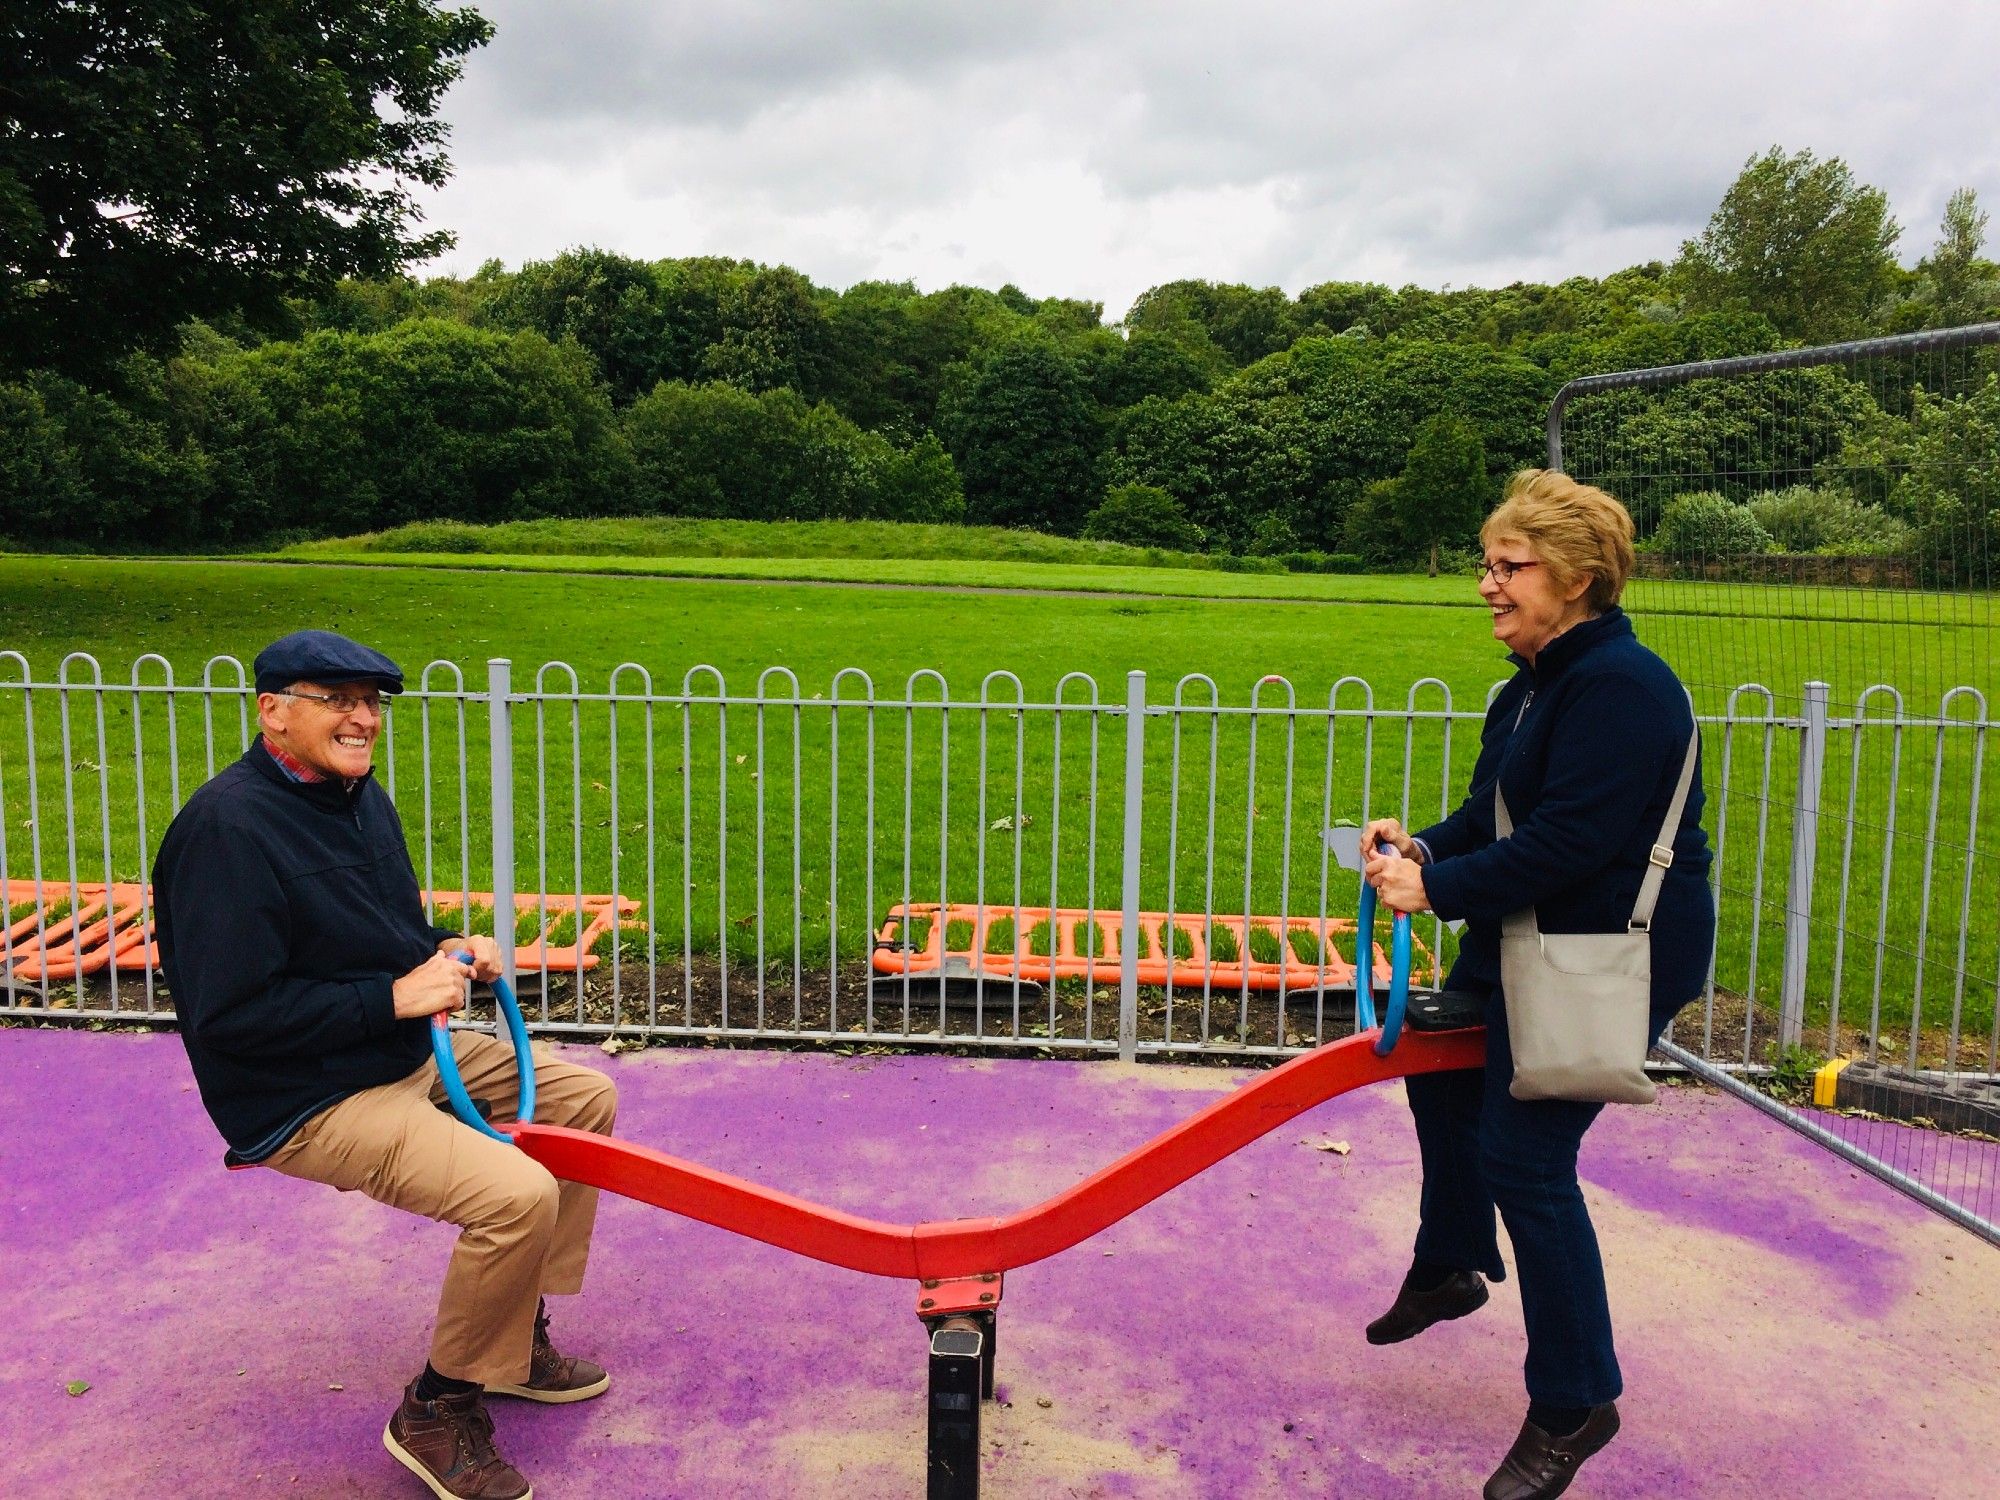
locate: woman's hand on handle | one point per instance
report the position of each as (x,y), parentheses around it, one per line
(1391,832)
(1398,882)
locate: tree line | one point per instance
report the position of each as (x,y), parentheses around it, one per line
(254,364)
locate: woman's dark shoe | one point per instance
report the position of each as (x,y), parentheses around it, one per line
(1540,1467)
(1462,1292)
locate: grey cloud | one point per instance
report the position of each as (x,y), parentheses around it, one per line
(1426,141)
(641,63)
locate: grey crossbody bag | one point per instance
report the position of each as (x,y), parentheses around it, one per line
(1579,1003)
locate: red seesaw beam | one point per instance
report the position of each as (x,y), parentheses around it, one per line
(967,1247)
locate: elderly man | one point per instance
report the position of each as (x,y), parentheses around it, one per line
(305,975)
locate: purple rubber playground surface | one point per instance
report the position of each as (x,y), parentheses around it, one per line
(1788,1327)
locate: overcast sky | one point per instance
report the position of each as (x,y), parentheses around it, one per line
(1094,150)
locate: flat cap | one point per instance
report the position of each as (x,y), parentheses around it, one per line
(324,657)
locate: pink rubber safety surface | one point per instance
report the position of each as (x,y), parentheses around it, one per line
(1786,1325)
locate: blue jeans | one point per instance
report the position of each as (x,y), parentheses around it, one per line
(1484,1149)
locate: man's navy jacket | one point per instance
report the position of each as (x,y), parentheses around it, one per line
(286,912)
(1589,771)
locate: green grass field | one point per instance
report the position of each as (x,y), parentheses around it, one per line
(1066,617)
(1718,636)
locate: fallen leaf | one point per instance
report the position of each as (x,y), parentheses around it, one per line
(611,1046)
(1044,1402)
(1338,1148)
(77,1387)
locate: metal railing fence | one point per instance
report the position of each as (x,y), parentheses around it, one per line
(762,838)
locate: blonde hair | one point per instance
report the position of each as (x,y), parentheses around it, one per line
(1575,530)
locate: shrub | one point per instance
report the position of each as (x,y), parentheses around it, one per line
(1323,562)
(1142,515)
(1272,536)
(1705,524)
(1459,560)
(1805,519)
(1230,562)
(1372,531)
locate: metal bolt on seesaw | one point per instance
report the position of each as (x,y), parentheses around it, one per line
(959,1264)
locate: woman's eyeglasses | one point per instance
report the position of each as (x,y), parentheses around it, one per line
(1503,572)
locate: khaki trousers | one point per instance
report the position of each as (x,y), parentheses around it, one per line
(524,1234)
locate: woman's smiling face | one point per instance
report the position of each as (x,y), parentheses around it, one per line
(1529,609)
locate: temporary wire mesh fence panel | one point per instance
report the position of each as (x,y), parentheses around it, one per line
(1823,521)
(1813,514)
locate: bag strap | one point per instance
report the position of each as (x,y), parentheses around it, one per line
(1663,848)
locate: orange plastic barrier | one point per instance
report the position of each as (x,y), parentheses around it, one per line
(1069,956)
(111,927)
(955,1248)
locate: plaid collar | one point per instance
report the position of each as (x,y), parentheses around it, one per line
(292,766)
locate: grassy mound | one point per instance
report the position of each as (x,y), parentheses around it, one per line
(677,536)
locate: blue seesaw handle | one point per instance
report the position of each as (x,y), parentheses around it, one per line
(1364,972)
(447,1060)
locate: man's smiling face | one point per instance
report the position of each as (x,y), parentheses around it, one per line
(336,737)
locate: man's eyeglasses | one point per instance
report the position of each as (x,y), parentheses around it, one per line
(1503,572)
(345,703)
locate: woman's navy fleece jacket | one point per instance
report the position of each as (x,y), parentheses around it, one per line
(1588,773)
(287,910)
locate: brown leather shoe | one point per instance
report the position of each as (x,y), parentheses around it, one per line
(1540,1467)
(553,1379)
(1462,1292)
(448,1444)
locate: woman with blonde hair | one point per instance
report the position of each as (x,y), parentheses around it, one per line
(1587,744)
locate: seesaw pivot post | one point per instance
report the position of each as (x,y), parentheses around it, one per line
(961,1316)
